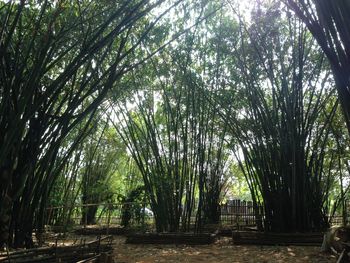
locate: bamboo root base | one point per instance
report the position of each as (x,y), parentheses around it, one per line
(260,238)
(171,238)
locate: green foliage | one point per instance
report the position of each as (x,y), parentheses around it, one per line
(132,205)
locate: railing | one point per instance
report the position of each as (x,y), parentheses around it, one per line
(235,212)
(106,214)
(241,213)
(337,220)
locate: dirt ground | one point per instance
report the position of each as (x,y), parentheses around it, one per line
(223,251)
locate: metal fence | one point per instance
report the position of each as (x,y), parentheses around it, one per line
(235,213)
(240,213)
(106,213)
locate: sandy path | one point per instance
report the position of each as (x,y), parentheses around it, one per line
(223,251)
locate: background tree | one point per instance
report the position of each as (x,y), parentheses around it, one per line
(100,158)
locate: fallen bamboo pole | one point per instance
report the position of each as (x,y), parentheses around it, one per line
(72,253)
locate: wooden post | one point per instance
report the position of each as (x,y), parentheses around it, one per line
(85,216)
(108,218)
(99,245)
(56,249)
(8,253)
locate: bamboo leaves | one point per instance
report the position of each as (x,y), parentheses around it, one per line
(329,24)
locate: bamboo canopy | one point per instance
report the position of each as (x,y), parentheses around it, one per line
(329,23)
